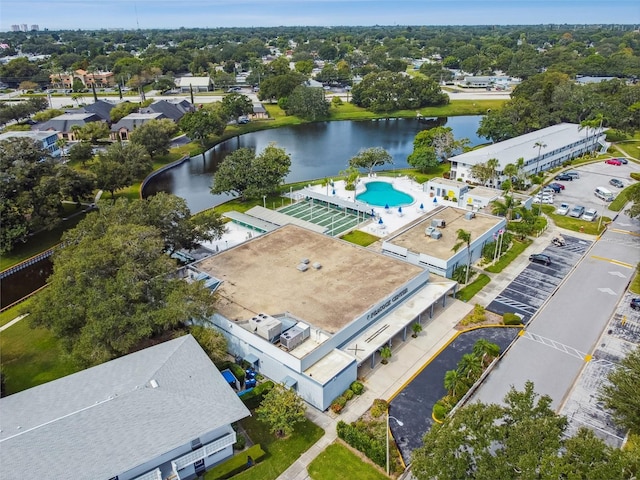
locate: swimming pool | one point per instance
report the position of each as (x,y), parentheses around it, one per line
(381,194)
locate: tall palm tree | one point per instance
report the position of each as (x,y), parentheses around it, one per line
(492,168)
(504,208)
(470,366)
(540,145)
(485,350)
(453,381)
(464,238)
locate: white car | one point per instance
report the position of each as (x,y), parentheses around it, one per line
(563,209)
(589,215)
(544,198)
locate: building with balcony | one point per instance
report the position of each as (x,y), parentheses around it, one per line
(99,79)
(541,150)
(164,412)
(45,140)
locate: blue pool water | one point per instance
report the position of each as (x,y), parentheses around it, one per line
(381,194)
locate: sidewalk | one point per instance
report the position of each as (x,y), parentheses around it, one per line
(410,356)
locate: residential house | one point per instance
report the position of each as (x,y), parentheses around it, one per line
(259,112)
(164,412)
(173,109)
(46,140)
(98,78)
(122,129)
(102,108)
(63,124)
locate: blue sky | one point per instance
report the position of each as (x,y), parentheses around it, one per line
(129,14)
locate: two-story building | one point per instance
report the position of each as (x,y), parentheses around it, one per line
(46,140)
(541,150)
(164,412)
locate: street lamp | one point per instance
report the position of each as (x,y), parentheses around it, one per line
(399,423)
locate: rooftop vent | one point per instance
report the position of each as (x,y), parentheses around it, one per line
(438,222)
(153,383)
(305,261)
(436,234)
(303,267)
(469,215)
(317,265)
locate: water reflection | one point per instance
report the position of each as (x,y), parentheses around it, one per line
(317,150)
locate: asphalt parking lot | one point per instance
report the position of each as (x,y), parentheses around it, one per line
(414,403)
(581,191)
(531,288)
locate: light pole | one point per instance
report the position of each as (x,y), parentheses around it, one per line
(399,423)
(264,201)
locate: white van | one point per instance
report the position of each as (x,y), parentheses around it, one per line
(604,194)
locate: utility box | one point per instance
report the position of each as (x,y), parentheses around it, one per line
(438,222)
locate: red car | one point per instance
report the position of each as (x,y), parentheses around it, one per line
(613,161)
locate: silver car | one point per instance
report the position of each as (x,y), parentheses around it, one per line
(563,209)
(589,215)
(576,211)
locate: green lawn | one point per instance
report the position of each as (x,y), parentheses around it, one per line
(281,453)
(622,198)
(30,357)
(361,238)
(467,293)
(516,249)
(575,224)
(337,461)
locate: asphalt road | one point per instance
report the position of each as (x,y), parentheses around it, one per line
(566,329)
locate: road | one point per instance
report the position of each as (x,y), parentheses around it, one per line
(557,341)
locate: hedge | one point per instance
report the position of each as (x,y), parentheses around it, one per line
(236,464)
(357,387)
(510,318)
(253,398)
(373,448)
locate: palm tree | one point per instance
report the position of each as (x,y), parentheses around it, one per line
(540,145)
(453,381)
(470,366)
(385,354)
(492,168)
(464,238)
(485,350)
(416,328)
(504,208)
(593,124)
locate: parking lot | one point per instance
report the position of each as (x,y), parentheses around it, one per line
(531,288)
(581,191)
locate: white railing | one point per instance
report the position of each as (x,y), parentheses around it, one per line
(203,452)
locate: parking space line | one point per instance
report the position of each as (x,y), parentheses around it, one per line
(624,232)
(611,260)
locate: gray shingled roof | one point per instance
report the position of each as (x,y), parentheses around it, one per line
(103,421)
(64,122)
(133,120)
(171,109)
(101,108)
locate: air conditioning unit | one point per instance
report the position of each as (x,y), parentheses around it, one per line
(436,234)
(429,230)
(469,215)
(438,222)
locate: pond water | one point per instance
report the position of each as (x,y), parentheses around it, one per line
(317,150)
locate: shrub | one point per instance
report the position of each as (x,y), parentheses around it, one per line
(348,394)
(358,438)
(336,407)
(440,411)
(379,407)
(241,442)
(357,387)
(253,399)
(510,318)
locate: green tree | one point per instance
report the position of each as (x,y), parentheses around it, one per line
(30,191)
(249,176)
(155,136)
(121,110)
(235,105)
(620,394)
(212,341)
(464,238)
(385,354)
(276,87)
(454,381)
(416,328)
(120,166)
(200,124)
(48,114)
(93,131)
(75,184)
(522,439)
(486,350)
(281,409)
(370,158)
(81,152)
(308,103)
(112,287)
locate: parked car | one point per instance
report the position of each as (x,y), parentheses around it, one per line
(635,303)
(589,215)
(563,209)
(543,198)
(616,183)
(573,174)
(563,177)
(552,188)
(557,185)
(613,161)
(243,120)
(576,211)
(540,258)
(622,160)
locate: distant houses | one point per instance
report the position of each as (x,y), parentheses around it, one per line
(46,140)
(197,84)
(63,124)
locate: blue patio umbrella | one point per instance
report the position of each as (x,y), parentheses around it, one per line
(334,192)
(399,209)
(380,222)
(421,206)
(435,200)
(386,207)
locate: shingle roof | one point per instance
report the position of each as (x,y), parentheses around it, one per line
(133,120)
(171,109)
(100,108)
(193,81)
(64,122)
(105,420)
